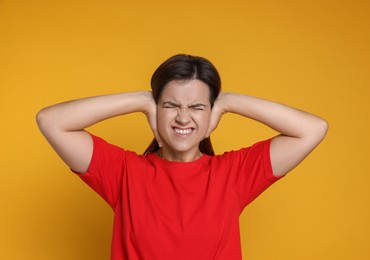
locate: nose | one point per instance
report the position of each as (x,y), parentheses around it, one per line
(183,116)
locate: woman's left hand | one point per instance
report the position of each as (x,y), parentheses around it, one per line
(216,113)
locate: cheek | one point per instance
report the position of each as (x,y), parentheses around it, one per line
(203,121)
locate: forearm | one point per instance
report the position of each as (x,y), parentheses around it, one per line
(78,114)
(283,119)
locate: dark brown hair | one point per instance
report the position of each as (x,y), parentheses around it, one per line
(186,67)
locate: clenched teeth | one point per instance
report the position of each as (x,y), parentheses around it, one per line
(183,131)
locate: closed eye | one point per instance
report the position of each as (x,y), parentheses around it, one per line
(195,107)
(170,105)
(199,107)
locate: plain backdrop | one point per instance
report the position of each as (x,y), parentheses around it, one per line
(313,55)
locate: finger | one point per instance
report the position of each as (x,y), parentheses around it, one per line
(214,121)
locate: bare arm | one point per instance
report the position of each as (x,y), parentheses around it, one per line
(300,132)
(63,124)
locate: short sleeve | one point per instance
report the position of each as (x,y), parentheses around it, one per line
(252,171)
(106,170)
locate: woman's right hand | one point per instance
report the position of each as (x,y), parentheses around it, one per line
(151,116)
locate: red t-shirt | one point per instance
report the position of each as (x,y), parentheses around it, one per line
(177,210)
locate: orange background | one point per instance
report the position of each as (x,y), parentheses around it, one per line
(312,55)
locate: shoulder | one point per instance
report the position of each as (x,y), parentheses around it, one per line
(104,151)
(260,148)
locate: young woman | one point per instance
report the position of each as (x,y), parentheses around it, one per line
(179,200)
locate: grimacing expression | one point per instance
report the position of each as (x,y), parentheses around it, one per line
(183,115)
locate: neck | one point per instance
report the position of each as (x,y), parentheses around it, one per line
(179,156)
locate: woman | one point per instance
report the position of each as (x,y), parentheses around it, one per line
(179,200)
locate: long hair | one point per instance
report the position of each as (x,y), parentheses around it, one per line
(186,67)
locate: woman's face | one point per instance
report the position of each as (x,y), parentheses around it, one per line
(183,115)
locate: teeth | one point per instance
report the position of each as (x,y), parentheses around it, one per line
(182,131)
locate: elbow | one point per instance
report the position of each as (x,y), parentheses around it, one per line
(324,127)
(43,119)
(321,128)
(315,132)
(40,118)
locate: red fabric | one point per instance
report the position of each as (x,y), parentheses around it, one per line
(175,210)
